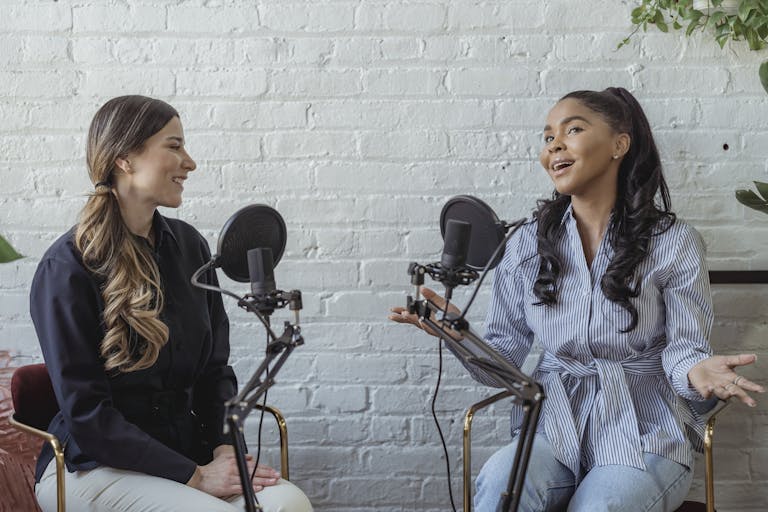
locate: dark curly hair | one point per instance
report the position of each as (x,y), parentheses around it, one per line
(637,215)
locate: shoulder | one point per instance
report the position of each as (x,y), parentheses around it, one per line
(61,271)
(63,255)
(522,246)
(678,237)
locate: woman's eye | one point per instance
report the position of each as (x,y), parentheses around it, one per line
(548,139)
(574,129)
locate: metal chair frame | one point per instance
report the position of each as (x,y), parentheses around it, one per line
(58,449)
(709,433)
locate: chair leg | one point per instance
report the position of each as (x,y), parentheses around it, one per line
(709,470)
(58,453)
(283,429)
(468,417)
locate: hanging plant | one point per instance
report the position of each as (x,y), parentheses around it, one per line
(737,20)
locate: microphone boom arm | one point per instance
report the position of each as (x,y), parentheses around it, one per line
(237,409)
(525,391)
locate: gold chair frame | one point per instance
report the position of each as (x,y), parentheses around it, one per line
(58,450)
(58,453)
(709,433)
(283,429)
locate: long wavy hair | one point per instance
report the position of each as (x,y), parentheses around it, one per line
(133,298)
(642,206)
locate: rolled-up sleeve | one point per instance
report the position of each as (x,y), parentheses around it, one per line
(688,303)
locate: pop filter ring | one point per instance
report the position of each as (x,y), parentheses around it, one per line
(479,210)
(232,257)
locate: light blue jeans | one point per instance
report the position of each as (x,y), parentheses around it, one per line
(550,486)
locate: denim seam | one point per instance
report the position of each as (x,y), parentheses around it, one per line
(669,487)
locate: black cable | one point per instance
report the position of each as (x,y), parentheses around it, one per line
(434,414)
(515,226)
(261,417)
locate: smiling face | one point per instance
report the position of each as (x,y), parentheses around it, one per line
(581,151)
(154,176)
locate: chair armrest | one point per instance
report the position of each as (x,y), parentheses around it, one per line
(283,429)
(58,453)
(468,417)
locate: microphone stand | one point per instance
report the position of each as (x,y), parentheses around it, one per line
(525,391)
(471,350)
(237,409)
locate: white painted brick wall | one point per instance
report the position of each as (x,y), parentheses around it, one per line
(357,119)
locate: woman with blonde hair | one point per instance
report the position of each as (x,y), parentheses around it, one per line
(137,355)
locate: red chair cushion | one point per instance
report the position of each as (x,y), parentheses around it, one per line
(33,399)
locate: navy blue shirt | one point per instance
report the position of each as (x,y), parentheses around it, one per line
(162,421)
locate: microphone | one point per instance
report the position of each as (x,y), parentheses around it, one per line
(455,244)
(251,244)
(474,241)
(261,271)
(452,270)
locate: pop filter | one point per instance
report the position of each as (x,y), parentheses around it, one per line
(255,226)
(487,230)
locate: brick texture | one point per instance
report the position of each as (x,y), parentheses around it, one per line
(358,119)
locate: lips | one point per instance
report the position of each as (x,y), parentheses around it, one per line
(179,180)
(561,165)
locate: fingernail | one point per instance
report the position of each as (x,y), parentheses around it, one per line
(257,488)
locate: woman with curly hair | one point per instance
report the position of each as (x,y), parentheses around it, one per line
(615,289)
(138,357)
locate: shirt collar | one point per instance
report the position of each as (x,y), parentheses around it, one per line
(162,230)
(568,215)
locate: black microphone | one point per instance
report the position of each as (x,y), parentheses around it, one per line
(455,250)
(261,270)
(455,244)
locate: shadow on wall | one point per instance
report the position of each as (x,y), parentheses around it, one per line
(18,451)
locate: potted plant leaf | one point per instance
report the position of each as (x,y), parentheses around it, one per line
(751,200)
(7,253)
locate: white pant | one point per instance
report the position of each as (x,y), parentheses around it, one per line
(106,489)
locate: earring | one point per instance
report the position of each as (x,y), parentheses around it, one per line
(615,157)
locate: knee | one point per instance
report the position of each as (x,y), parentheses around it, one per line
(284,497)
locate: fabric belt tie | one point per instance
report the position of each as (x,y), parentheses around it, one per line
(608,404)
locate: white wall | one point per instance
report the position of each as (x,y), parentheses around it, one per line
(357,120)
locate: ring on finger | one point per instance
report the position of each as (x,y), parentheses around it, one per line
(727,386)
(737,379)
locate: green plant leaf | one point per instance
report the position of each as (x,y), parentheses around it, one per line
(7,253)
(751,200)
(744,9)
(762,189)
(764,75)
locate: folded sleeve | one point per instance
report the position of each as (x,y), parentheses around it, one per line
(688,303)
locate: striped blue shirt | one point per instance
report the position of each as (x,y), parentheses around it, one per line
(610,395)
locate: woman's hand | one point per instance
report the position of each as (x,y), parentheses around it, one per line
(715,375)
(401,315)
(221,478)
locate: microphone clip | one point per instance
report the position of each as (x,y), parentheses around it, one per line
(266,304)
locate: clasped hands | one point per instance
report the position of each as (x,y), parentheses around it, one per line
(221,478)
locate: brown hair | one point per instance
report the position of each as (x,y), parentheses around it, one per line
(133,299)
